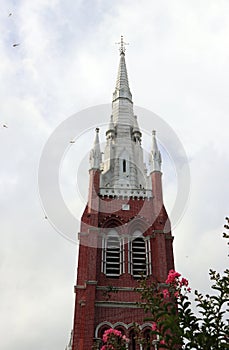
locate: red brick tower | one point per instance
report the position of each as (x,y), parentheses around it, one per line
(122,229)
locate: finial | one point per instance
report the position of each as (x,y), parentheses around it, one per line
(97,130)
(122,44)
(153,132)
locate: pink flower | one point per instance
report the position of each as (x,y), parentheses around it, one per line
(165,293)
(162,341)
(109,332)
(103,347)
(172,275)
(117,333)
(189,290)
(184,282)
(176,294)
(126,339)
(154,326)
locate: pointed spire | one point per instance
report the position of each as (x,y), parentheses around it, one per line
(95,154)
(155,158)
(122,84)
(111,124)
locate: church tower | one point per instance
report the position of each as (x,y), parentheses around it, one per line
(122,236)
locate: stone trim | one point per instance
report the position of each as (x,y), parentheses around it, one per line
(124,192)
(117,304)
(123,289)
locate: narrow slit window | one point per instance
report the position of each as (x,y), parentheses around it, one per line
(124,165)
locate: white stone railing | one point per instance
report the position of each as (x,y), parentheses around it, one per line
(126,192)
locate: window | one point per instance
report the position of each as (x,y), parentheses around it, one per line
(124,165)
(132,343)
(139,256)
(147,340)
(113,254)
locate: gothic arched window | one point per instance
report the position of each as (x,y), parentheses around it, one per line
(139,256)
(132,343)
(113,255)
(147,338)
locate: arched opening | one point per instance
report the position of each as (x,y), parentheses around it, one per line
(102,330)
(132,343)
(147,340)
(98,342)
(120,329)
(113,255)
(140,261)
(138,257)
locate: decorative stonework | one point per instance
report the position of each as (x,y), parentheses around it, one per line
(124,192)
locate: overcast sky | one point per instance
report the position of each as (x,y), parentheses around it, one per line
(67,60)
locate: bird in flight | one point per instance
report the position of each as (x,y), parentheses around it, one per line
(14,45)
(72,141)
(4,126)
(10,14)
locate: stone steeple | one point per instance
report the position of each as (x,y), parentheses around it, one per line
(124,171)
(122,89)
(122,105)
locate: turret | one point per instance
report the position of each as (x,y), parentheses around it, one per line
(155,174)
(136,133)
(95,158)
(94,174)
(155,159)
(111,130)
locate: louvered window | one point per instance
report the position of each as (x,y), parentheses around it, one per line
(113,255)
(139,256)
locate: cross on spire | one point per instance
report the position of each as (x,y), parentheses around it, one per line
(122,44)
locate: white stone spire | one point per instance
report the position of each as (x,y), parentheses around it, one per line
(122,88)
(95,154)
(122,105)
(155,157)
(123,171)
